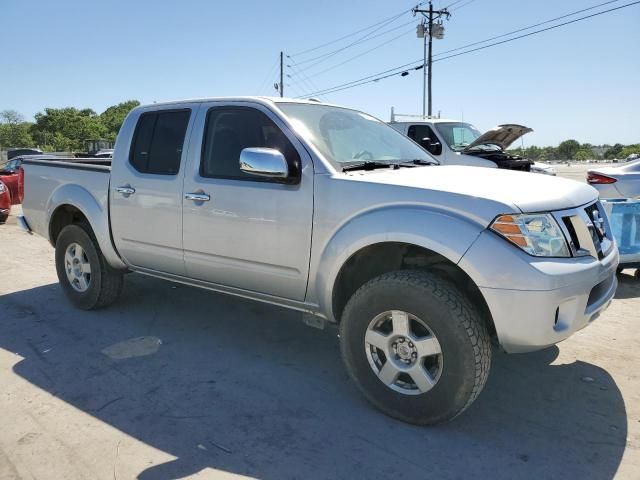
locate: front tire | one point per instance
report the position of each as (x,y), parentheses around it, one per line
(415,346)
(84,274)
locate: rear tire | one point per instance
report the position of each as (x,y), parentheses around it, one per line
(430,374)
(84,274)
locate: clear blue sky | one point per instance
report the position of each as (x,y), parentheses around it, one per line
(581,81)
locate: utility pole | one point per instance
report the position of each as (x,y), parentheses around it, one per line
(430,52)
(281,74)
(428,28)
(424,74)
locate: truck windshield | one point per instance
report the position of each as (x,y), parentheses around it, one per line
(457,135)
(346,136)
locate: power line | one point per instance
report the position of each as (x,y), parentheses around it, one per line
(357,42)
(365,38)
(393,17)
(452,4)
(401,69)
(463,5)
(303,76)
(271,72)
(293,87)
(333,67)
(396,70)
(324,58)
(488,39)
(543,29)
(527,28)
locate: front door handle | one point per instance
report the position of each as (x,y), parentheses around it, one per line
(126,190)
(197,197)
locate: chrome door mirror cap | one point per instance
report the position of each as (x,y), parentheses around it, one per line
(264,162)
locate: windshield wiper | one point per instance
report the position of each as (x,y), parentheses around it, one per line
(369,165)
(420,161)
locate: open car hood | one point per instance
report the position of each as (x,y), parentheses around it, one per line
(502,136)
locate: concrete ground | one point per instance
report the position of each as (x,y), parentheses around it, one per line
(578,171)
(174,381)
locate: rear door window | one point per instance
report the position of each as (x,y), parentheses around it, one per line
(158,142)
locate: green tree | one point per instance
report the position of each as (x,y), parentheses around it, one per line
(67,128)
(113,117)
(584,154)
(14,131)
(630,150)
(567,149)
(614,152)
(547,153)
(533,152)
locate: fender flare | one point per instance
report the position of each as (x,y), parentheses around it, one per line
(440,231)
(98,217)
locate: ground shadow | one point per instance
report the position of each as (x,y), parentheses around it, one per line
(628,285)
(268,397)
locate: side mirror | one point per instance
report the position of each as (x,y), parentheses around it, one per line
(264,162)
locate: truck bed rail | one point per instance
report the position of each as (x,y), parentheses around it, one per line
(92,164)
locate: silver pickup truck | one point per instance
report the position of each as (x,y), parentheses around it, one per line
(328,211)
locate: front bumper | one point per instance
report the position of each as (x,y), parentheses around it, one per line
(537,302)
(528,321)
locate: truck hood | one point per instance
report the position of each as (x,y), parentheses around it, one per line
(485,192)
(502,136)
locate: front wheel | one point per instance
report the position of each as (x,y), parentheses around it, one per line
(84,274)
(415,346)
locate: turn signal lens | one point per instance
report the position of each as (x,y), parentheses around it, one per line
(536,234)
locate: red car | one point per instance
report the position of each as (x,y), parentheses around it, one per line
(11,171)
(5,202)
(10,175)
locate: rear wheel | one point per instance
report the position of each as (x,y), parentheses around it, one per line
(415,346)
(84,274)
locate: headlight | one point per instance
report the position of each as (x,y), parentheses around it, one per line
(2,188)
(537,234)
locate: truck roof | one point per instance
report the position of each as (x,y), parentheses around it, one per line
(426,121)
(260,99)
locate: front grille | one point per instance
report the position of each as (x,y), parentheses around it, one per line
(587,230)
(596,228)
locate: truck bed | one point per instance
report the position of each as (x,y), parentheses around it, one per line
(46,180)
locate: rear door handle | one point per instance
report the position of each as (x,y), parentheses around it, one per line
(126,190)
(197,197)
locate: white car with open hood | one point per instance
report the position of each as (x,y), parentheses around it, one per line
(459,143)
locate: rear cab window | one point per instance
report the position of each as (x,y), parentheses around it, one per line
(158,141)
